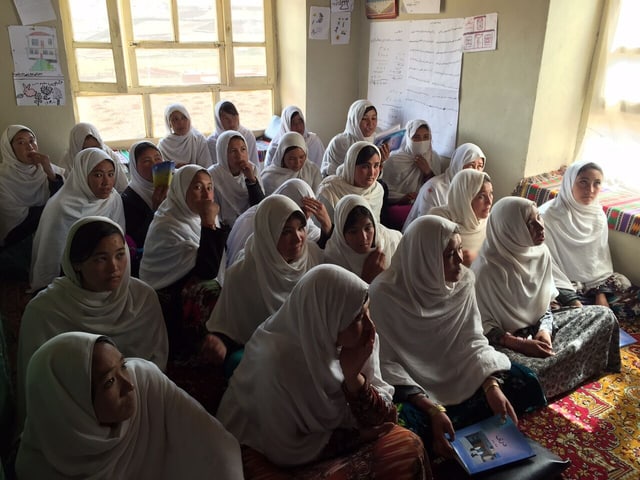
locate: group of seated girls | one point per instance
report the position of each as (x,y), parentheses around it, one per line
(334,328)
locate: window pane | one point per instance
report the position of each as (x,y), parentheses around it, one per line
(117,117)
(198,21)
(250,61)
(158,67)
(89,20)
(95,65)
(254,106)
(199,106)
(151,20)
(247,20)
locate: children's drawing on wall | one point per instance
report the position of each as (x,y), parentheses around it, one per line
(341,6)
(39,91)
(319,19)
(340,28)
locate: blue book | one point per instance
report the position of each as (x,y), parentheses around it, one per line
(626,339)
(489,444)
(392,137)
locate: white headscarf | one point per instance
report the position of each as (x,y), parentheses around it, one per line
(131,314)
(21,185)
(291,364)
(73,201)
(339,252)
(514,282)
(142,186)
(188,148)
(77,136)
(577,236)
(334,155)
(401,173)
(249,137)
(333,188)
(171,246)
(296,190)
(169,436)
(464,187)
(277,173)
(430,330)
(315,147)
(256,286)
(230,191)
(434,192)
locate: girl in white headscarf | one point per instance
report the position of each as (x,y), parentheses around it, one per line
(275,258)
(515,288)
(468,204)
(228,118)
(434,191)
(362,121)
(314,367)
(431,344)
(236,178)
(96,294)
(292,120)
(358,175)
(85,135)
(91,413)
(290,161)
(89,190)
(183,144)
(360,243)
(578,238)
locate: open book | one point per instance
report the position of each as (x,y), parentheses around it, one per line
(489,444)
(392,137)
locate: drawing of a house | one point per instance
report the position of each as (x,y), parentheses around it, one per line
(42,48)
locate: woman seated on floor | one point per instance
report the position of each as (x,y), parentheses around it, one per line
(89,190)
(290,161)
(578,238)
(431,344)
(183,252)
(468,204)
(308,396)
(228,118)
(183,144)
(91,413)
(514,287)
(235,176)
(276,256)
(96,294)
(360,244)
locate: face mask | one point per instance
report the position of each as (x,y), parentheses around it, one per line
(420,148)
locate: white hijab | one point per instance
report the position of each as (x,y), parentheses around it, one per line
(230,191)
(514,282)
(464,187)
(169,436)
(334,155)
(249,137)
(333,188)
(142,186)
(171,246)
(296,190)
(291,364)
(256,286)
(430,330)
(73,201)
(21,185)
(131,314)
(577,236)
(188,148)
(339,252)
(277,173)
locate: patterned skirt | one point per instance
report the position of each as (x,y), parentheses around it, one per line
(623,297)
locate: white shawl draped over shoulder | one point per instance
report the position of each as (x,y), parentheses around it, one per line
(335,154)
(577,236)
(338,250)
(188,148)
(169,436)
(285,398)
(430,330)
(172,243)
(249,138)
(514,281)
(334,187)
(21,185)
(257,285)
(73,201)
(277,173)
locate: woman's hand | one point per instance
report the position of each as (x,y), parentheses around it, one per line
(528,346)
(311,206)
(384,153)
(408,198)
(43,160)
(373,433)
(423,165)
(468,257)
(352,359)
(373,265)
(158,196)
(246,167)
(498,403)
(440,424)
(545,337)
(208,211)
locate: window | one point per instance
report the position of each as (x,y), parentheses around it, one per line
(129,59)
